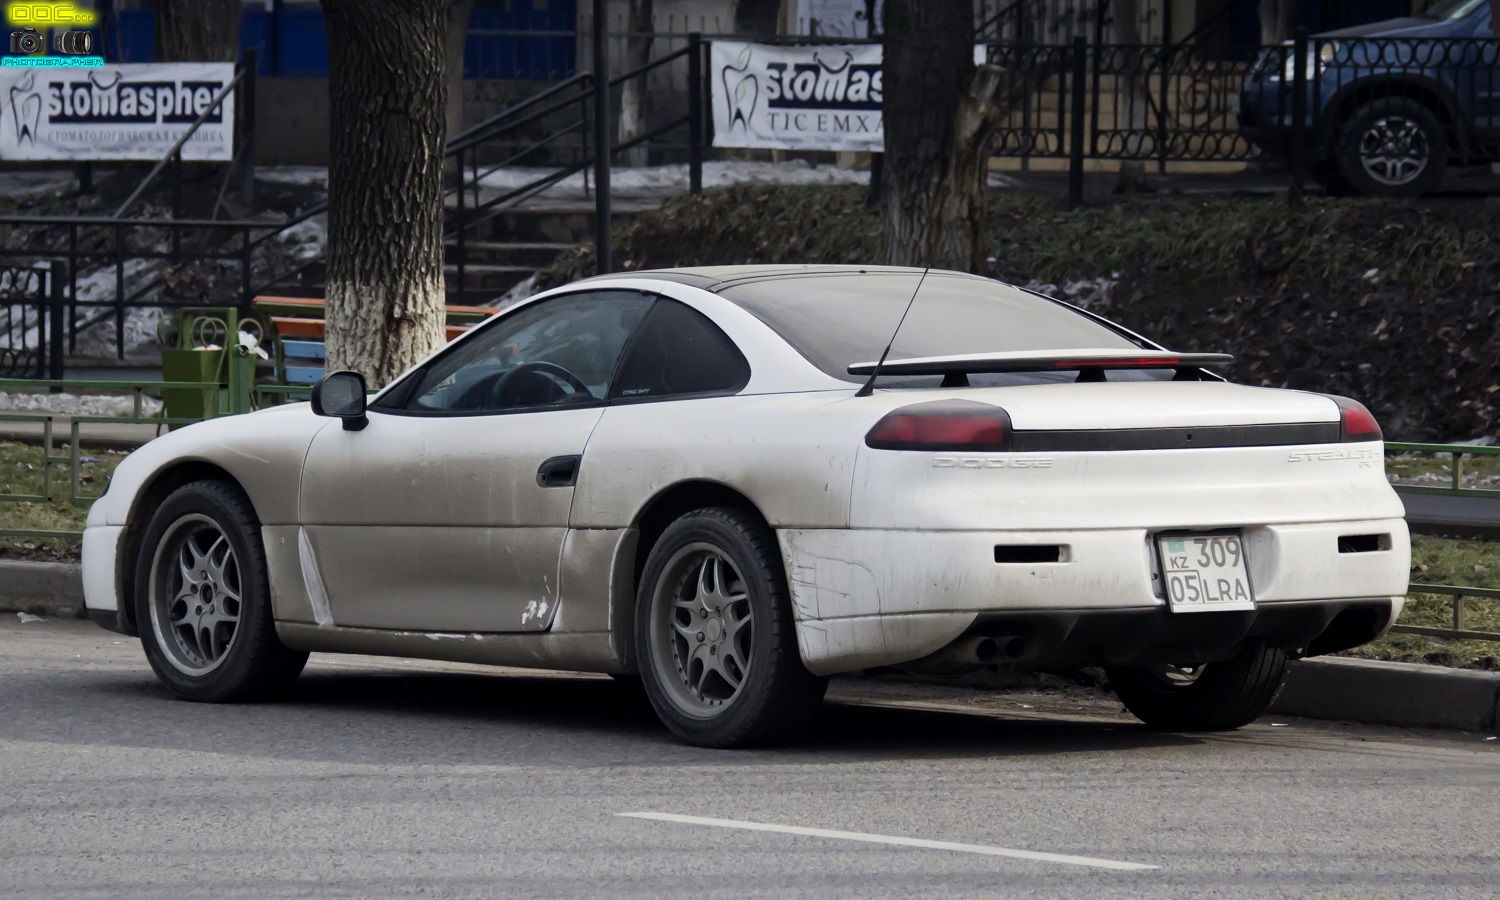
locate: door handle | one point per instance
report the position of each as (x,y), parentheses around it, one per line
(559,471)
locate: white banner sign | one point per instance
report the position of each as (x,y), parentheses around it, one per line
(824,97)
(130,111)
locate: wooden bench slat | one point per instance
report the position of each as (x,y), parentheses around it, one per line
(303,307)
(303,374)
(286,325)
(305,349)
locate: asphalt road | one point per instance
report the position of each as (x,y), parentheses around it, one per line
(391,778)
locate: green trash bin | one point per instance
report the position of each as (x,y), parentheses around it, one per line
(194,366)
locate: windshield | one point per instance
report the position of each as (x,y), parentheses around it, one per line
(1455,9)
(838,320)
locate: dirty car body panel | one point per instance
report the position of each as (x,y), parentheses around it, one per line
(499,504)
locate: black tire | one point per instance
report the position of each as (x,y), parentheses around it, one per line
(1425,137)
(254,664)
(1223,695)
(777,697)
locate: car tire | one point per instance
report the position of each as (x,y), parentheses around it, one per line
(716,639)
(1393,147)
(201,548)
(1216,696)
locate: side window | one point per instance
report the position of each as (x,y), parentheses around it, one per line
(679,351)
(557,353)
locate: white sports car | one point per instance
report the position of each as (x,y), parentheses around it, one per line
(685,474)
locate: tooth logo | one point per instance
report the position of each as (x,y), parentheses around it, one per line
(741,92)
(25,109)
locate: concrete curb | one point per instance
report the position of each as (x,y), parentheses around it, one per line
(1406,695)
(42,588)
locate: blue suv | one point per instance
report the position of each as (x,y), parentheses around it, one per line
(1390,105)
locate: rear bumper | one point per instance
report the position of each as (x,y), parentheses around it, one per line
(866,598)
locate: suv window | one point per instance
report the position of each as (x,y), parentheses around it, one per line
(679,351)
(557,353)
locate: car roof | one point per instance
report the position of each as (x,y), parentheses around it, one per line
(717,278)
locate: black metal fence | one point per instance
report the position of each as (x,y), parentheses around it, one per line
(31,302)
(1380,115)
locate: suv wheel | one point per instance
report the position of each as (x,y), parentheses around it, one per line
(1394,147)
(1214,696)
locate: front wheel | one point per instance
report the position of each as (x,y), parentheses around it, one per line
(1215,696)
(203,598)
(714,628)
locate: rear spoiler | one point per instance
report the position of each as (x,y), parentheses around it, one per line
(1050,361)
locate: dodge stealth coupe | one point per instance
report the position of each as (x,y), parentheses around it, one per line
(736,482)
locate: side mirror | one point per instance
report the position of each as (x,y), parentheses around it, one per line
(341,395)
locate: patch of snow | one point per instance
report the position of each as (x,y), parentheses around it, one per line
(310,176)
(1086,293)
(664,181)
(306,240)
(77,404)
(30,185)
(98,341)
(516,294)
(27,618)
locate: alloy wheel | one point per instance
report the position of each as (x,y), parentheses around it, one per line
(702,627)
(196,594)
(1394,150)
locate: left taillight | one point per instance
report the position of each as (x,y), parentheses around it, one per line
(942,425)
(1356,422)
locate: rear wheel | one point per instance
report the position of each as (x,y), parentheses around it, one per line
(718,645)
(1207,697)
(203,599)
(1393,147)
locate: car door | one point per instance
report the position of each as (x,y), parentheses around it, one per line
(448,511)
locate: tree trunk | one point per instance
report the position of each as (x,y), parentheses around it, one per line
(1278,19)
(633,94)
(197,30)
(387,95)
(457,33)
(757,16)
(939,116)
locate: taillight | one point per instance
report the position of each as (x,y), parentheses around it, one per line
(1358,424)
(942,425)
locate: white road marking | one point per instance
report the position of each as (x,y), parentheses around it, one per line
(896,841)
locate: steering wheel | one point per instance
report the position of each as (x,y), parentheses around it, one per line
(508,383)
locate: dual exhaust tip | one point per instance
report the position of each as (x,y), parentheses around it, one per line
(985,650)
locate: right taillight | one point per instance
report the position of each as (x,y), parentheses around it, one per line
(942,425)
(1357,422)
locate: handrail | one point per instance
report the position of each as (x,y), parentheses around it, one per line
(470,137)
(214,104)
(654,64)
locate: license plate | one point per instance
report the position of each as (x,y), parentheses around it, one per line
(1205,572)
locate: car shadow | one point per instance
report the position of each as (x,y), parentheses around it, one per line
(462,718)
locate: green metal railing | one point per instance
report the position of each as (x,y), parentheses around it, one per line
(1456,454)
(217,400)
(240,396)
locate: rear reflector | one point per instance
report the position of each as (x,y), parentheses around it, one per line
(942,425)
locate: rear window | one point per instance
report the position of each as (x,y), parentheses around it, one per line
(838,320)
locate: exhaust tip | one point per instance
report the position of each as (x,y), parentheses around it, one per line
(987,651)
(1014,648)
